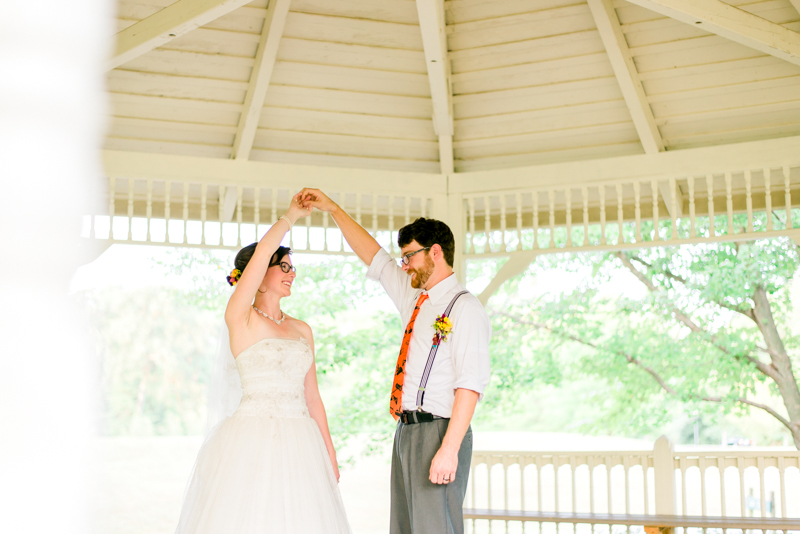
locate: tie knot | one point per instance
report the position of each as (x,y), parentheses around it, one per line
(422,298)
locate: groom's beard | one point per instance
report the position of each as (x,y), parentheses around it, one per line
(422,274)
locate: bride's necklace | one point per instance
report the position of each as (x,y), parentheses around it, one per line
(276,321)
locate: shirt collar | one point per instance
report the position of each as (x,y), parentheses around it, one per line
(442,288)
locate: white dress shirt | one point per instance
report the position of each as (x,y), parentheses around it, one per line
(462,361)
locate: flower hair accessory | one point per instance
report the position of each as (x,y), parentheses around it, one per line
(233,278)
(443,326)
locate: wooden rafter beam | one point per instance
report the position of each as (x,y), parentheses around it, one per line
(608,26)
(732,23)
(259,79)
(434,42)
(173,21)
(796,4)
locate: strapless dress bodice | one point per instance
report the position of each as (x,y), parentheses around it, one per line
(273,373)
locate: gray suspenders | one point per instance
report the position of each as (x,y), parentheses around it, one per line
(432,356)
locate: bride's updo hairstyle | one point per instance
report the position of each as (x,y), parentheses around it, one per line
(243,258)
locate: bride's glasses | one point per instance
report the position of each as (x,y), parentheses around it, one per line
(285,267)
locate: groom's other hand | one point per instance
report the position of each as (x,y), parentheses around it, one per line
(444,466)
(314,198)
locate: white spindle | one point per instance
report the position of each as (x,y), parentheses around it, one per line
(602,191)
(787,196)
(471,203)
(503,246)
(608,463)
(768,197)
(551,197)
(539,483)
(358,208)
(185,212)
(535,198)
(203,210)
(221,209)
(620,215)
(342,198)
(568,198)
(257,208)
(407,208)
(487,224)
(729,200)
(167,210)
(740,466)
(590,465)
(149,207)
(626,465)
(645,468)
(673,191)
(692,208)
(239,216)
(112,193)
(781,474)
(748,187)
(682,467)
(701,464)
(325,230)
(637,195)
(391,222)
(573,464)
(375,216)
(556,465)
(654,189)
(721,467)
(710,192)
(585,196)
(762,485)
(518,200)
(274,200)
(423,206)
(130,209)
(522,486)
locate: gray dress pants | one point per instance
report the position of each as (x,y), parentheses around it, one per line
(418,505)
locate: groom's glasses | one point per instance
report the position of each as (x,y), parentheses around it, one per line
(407,258)
(285,267)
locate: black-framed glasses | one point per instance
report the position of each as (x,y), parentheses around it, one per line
(407,257)
(285,267)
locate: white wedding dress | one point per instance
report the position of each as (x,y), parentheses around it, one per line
(265,469)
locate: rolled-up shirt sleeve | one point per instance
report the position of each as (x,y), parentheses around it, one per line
(392,277)
(470,351)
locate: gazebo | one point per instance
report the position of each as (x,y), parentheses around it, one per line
(531,127)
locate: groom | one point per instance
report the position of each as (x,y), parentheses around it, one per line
(441,372)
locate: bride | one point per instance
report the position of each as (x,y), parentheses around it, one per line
(271,465)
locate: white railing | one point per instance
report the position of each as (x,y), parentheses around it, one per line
(648,211)
(724,482)
(207,215)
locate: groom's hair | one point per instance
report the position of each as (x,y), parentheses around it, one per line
(429,232)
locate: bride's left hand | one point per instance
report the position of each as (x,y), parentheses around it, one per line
(335,465)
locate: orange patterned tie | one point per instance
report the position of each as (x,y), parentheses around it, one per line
(400,372)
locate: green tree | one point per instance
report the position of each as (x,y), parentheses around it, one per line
(712,326)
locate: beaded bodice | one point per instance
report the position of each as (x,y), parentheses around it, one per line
(273,373)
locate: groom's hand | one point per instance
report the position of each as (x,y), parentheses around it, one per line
(444,466)
(314,198)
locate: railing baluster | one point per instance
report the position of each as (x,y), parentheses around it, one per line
(768,197)
(423,209)
(762,485)
(781,473)
(239,193)
(503,246)
(391,223)
(692,208)
(130,209)
(568,198)
(626,465)
(637,194)
(556,465)
(551,197)
(538,460)
(471,203)
(787,196)
(489,488)
(645,485)
(505,486)
(221,210)
(112,193)
(585,195)
(573,467)
(673,189)
(620,215)
(740,466)
(167,210)
(518,200)
(654,189)
(608,483)
(149,209)
(358,208)
(729,200)
(342,200)
(682,467)
(590,465)
(325,221)
(748,186)
(522,486)
(274,199)
(185,212)
(710,199)
(374,215)
(257,209)
(701,464)
(721,467)
(535,198)
(487,224)
(602,191)
(203,210)
(407,208)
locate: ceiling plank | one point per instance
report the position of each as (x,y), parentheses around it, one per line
(161,27)
(266,55)
(796,4)
(627,76)
(434,42)
(732,23)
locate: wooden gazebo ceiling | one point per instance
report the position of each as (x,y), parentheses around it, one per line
(361,83)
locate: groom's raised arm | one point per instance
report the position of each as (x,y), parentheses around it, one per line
(363,244)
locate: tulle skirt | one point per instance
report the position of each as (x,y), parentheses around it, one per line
(259,475)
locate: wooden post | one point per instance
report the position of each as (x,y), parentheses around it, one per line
(664,471)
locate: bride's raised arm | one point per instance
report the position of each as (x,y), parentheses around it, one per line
(237,313)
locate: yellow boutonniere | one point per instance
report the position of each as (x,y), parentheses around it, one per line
(443,326)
